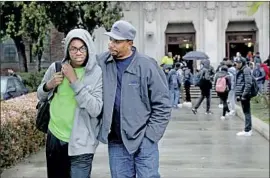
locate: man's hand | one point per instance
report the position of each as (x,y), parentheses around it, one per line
(56,80)
(238,98)
(68,72)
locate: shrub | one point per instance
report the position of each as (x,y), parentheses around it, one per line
(18,133)
(32,80)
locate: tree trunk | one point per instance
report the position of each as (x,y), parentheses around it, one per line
(21,51)
(39,60)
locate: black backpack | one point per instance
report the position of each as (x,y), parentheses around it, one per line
(43,107)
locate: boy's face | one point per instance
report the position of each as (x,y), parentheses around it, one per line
(77,52)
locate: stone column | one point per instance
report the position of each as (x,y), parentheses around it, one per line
(150,29)
(210,29)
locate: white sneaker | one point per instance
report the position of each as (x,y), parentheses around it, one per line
(222,117)
(180,105)
(232,113)
(243,133)
(220,105)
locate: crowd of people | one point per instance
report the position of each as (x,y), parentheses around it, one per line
(232,80)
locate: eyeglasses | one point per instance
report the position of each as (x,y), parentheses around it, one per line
(74,50)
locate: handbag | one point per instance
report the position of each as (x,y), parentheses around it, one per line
(43,107)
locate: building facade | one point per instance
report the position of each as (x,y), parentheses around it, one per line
(218,28)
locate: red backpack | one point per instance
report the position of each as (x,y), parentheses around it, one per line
(221,85)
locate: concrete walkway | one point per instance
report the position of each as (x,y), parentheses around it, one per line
(194,146)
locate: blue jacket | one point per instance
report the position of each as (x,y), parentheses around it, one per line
(145,102)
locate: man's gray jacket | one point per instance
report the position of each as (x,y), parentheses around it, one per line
(145,103)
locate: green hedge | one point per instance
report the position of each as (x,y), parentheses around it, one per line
(32,80)
(18,135)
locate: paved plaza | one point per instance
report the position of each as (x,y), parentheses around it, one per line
(194,146)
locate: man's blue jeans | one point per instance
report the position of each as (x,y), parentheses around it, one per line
(144,162)
(60,165)
(174,96)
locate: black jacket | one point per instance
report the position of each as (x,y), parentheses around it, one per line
(243,82)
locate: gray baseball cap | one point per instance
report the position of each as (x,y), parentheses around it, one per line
(122,30)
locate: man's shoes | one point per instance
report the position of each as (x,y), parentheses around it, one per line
(208,112)
(243,133)
(220,106)
(222,118)
(231,113)
(194,111)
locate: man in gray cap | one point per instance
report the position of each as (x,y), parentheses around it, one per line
(136,106)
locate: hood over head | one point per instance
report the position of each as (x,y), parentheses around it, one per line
(85,36)
(206,63)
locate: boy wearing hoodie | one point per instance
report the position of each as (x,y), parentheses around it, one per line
(73,127)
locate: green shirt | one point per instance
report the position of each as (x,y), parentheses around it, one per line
(62,109)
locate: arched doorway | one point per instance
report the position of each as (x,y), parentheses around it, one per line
(180,39)
(241,37)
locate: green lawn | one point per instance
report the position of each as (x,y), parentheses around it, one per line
(260,109)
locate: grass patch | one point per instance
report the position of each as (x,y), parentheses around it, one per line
(260,109)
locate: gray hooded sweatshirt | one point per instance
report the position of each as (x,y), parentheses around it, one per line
(88,94)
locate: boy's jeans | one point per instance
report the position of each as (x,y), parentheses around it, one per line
(231,100)
(144,162)
(60,165)
(174,96)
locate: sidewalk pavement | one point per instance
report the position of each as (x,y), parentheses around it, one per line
(194,146)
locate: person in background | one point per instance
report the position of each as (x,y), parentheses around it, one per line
(266,80)
(222,81)
(176,59)
(174,81)
(231,97)
(249,57)
(167,60)
(205,85)
(187,80)
(267,61)
(259,75)
(257,58)
(242,93)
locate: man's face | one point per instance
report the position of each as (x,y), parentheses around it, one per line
(238,65)
(119,48)
(169,54)
(77,52)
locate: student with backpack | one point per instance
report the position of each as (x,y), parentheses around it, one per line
(205,85)
(174,81)
(74,109)
(222,85)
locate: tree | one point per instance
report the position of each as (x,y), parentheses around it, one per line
(254,8)
(35,26)
(11,15)
(66,16)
